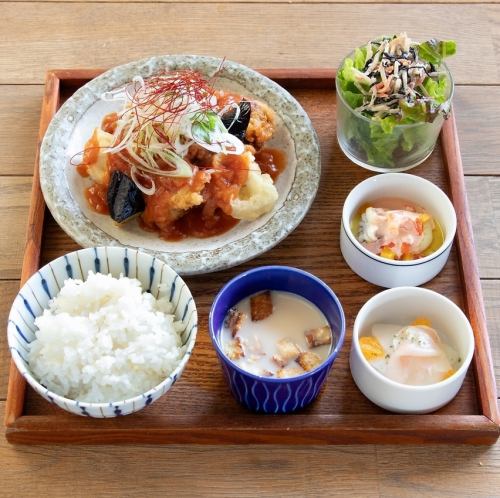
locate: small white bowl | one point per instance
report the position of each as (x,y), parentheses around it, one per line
(402,306)
(155,276)
(385,272)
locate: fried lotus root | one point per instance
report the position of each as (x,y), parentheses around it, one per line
(234,320)
(261,306)
(319,337)
(308,360)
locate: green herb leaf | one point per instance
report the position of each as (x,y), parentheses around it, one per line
(205,124)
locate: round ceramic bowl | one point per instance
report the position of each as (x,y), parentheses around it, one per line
(402,306)
(267,394)
(155,276)
(385,272)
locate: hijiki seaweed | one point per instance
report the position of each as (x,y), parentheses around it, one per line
(394,77)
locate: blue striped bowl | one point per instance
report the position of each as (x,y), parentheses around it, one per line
(268,394)
(155,276)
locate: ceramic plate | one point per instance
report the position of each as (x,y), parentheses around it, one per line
(72,126)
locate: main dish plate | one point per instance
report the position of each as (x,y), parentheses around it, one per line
(63,188)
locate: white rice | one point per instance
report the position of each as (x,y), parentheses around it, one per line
(104,340)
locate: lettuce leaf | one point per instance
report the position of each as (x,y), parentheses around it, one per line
(353,75)
(346,79)
(359,58)
(413,113)
(434,51)
(437,89)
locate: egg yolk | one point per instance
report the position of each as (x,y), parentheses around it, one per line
(371,348)
(447,374)
(422,320)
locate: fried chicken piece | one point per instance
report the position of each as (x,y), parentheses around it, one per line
(172,198)
(261,126)
(308,360)
(261,306)
(319,337)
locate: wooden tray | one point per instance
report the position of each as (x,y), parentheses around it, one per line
(200,408)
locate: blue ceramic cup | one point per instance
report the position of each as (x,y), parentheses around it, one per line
(269,394)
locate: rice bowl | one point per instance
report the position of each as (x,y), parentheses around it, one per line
(156,279)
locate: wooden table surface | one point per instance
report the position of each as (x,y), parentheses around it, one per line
(36,36)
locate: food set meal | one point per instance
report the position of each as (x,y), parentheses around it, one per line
(184,158)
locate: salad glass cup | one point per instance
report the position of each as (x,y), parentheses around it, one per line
(365,142)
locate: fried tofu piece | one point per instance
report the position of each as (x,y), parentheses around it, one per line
(235,351)
(287,351)
(234,320)
(308,360)
(261,306)
(289,372)
(319,337)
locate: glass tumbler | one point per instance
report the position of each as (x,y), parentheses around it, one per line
(365,143)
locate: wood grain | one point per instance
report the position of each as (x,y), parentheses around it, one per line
(417,472)
(472,105)
(473,297)
(484,194)
(416,2)
(8,291)
(32,248)
(14,203)
(19,119)
(491,292)
(94,34)
(251,471)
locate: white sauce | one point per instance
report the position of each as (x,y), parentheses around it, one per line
(292,316)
